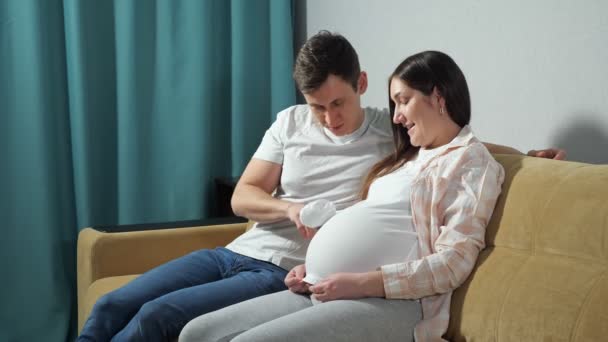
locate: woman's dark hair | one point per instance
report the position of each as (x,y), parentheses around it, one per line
(323,54)
(424,72)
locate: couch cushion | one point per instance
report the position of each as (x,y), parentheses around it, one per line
(544,275)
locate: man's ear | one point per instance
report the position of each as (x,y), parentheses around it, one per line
(362,82)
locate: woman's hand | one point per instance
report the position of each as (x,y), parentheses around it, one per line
(349,286)
(294,279)
(293,213)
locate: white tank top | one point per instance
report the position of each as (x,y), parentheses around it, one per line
(375,232)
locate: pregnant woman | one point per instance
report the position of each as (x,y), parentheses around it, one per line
(385,268)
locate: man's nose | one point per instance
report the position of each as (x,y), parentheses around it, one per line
(331,117)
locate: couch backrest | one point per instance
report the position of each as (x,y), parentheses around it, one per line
(544,273)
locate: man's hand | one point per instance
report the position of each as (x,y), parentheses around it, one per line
(294,280)
(293,212)
(550,153)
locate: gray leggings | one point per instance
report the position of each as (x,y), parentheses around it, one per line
(285,316)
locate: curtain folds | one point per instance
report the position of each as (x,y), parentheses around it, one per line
(121,112)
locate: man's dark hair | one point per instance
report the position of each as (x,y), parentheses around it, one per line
(323,54)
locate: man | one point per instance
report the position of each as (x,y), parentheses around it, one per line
(319,150)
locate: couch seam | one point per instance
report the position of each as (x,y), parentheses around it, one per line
(584,306)
(502,305)
(532,253)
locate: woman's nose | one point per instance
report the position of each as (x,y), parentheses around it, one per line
(397,117)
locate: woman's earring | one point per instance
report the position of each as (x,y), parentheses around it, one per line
(441,110)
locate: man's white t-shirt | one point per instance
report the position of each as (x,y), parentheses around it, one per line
(316,165)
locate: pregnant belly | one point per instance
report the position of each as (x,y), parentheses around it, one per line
(360,239)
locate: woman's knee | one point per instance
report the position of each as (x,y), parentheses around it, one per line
(194,331)
(207,327)
(263,335)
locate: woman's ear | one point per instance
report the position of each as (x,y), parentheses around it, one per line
(438,98)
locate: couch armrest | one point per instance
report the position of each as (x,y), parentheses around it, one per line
(102,254)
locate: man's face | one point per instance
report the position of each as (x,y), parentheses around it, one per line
(337,105)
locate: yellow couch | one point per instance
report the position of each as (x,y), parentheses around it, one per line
(542,277)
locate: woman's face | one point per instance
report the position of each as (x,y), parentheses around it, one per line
(420,115)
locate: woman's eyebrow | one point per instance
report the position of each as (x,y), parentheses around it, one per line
(399,94)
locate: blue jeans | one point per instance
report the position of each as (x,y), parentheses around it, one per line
(157,305)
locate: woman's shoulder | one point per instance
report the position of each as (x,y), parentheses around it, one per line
(472,154)
(476,150)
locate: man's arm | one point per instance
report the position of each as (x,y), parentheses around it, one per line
(501,149)
(252,195)
(549,153)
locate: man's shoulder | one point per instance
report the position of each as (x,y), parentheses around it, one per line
(295,110)
(379,120)
(297,114)
(293,121)
(377,113)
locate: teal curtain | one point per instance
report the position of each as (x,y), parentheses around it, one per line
(117,112)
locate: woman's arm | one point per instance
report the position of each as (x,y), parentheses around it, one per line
(465,202)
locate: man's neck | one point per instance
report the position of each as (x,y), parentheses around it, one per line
(360,120)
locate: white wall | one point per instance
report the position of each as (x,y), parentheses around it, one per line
(537,70)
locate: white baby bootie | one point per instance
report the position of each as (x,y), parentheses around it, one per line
(316,213)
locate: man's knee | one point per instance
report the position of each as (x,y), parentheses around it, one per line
(105,318)
(151,315)
(108,303)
